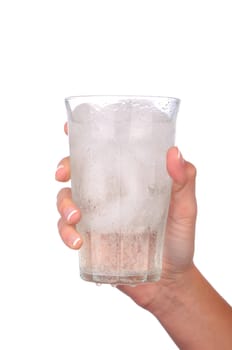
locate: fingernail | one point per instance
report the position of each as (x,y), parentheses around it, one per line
(180,157)
(76,241)
(69,213)
(60,166)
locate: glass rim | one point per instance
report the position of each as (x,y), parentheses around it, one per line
(149,97)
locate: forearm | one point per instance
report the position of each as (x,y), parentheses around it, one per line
(194,314)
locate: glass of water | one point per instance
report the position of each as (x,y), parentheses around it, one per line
(118,147)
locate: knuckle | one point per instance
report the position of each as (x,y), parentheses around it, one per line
(63,194)
(192,172)
(62,202)
(60,225)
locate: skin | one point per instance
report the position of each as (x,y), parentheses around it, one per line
(191,311)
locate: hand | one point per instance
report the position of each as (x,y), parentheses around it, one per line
(180,231)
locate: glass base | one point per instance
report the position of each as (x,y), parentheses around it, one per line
(116,280)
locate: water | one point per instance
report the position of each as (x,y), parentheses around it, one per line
(120,258)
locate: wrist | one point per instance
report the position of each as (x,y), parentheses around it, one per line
(169,293)
(193,313)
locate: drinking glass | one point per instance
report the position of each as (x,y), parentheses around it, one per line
(119,180)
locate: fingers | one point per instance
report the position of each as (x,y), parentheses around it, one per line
(69,235)
(63,170)
(67,209)
(70,216)
(183,173)
(66,128)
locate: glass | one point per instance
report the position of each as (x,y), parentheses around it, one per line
(118,147)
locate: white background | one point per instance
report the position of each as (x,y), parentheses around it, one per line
(51,49)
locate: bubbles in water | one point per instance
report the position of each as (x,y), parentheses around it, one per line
(120,181)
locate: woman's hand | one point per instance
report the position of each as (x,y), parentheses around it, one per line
(191,311)
(180,230)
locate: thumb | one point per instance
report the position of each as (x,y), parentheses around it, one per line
(183,201)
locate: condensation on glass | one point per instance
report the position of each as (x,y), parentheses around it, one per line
(118,147)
